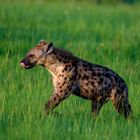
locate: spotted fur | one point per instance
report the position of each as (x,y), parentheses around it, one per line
(72,75)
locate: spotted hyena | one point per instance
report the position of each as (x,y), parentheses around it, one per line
(72,75)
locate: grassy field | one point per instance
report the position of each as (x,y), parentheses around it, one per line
(106,35)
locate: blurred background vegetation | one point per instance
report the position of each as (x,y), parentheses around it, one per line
(86,1)
(115,1)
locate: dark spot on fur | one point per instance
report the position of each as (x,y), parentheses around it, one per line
(115,78)
(60,60)
(93,73)
(85,77)
(80,70)
(85,65)
(57,95)
(107,75)
(98,70)
(118,91)
(109,85)
(65,61)
(89,65)
(101,80)
(66,68)
(86,90)
(87,84)
(72,78)
(92,90)
(57,57)
(63,83)
(65,57)
(105,82)
(69,86)
(79,76)
(54,53)
(98,74)
(123,87)
(86,69)
(89,69)
(122,97)
(54,98)
(92,83)
(61,91)
(95,79)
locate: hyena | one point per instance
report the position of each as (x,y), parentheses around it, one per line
(72,75)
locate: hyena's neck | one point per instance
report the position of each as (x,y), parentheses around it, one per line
(55,70)
(57,60)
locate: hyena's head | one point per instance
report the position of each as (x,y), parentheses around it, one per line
(37,55)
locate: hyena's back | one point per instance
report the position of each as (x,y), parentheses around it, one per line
(101,84)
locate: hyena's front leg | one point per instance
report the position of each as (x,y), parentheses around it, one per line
(55,100)
(62,91)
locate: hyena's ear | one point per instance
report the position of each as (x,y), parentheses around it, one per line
(49,48)
(42,42)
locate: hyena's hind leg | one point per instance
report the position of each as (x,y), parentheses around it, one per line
(96,107)
(121,103)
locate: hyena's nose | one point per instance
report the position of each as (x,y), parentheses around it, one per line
(22,64)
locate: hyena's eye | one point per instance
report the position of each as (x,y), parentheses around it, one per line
(31,55)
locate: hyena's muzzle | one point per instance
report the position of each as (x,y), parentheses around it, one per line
(26,63)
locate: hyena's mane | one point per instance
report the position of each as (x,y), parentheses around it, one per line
(64,53)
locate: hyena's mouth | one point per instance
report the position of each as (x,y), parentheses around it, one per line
(26,65)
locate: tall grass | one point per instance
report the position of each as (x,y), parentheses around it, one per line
(100,34)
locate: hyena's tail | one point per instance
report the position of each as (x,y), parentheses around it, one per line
(122,104)
(128,113)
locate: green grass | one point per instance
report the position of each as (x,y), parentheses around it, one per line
(107,35)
